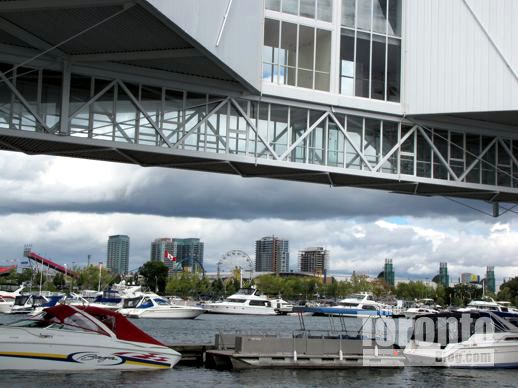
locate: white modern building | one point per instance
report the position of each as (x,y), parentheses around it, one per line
(419,97)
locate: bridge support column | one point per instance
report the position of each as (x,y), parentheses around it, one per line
(65,99)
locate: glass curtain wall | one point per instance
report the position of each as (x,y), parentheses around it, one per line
(298,54)
(370,49)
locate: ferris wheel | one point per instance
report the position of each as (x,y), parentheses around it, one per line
(236,258)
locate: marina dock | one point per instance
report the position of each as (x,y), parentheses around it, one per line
(303,352)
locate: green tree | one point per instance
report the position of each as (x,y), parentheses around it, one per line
(509,291)
(88,278)
(155,275)
(59,281)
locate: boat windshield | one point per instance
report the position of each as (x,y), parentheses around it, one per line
(74,322)
(160,301)
(85,317)
(131,303)
(235,300)
(20,300)
(347,304)
(247,291)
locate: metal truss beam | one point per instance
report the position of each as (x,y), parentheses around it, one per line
(126,120)
(27,37)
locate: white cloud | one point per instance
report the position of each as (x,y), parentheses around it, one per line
(304,214)
(415,249)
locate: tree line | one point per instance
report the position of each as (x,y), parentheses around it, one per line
(154,276)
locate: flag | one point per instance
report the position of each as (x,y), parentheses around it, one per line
(167,255)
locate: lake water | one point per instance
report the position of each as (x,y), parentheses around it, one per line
(203,329)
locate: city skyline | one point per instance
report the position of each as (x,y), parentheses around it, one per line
(68,207)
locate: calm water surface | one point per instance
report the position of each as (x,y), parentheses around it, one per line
(203,329)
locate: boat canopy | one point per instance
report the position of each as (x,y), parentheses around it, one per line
(117,323)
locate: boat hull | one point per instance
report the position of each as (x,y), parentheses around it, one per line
(37,349)
(216,308)
(5,307)
(172,313)
(347,312)
(500,355)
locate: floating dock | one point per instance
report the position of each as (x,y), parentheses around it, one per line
(307,352)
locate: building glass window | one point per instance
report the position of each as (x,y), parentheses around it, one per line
(274,5)
(288,54)
(322,59)
(307,8)
(271,50)
(314,9)
(325,10)
(347,63)
(290,6)
(348,13)
(371,39)
(299,56)
(363,48)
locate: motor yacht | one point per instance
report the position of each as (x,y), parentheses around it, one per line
(489,305)
(154,306)
(476,339)
(247,301)
(71,338)
(113,298)
(359,305)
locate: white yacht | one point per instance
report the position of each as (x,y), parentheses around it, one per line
(359,305)
(483,305)
(113,298)
(487,341)
(154,306)
(72,338)
(247,301)
(422,307)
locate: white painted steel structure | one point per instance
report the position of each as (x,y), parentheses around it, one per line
(180,84)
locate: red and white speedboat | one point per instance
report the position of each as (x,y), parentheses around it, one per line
(67,337)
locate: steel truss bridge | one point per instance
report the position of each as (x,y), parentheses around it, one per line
(99,91)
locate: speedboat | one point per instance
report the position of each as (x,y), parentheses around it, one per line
(247,301)
(422,307)
(413,312)
(80,338)
(25,304)
(154,306)
(360,305)
(281,306)
(476,339)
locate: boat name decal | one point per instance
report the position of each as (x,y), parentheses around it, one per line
(95,358)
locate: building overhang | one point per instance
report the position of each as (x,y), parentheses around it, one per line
(107,32)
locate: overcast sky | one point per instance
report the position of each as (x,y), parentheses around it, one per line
(66,208)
